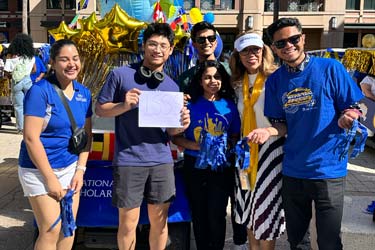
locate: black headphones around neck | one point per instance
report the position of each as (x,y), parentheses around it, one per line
(151,78)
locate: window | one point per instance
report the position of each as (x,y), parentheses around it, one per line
(56,4)
(70,4)
(350,40)
(188,4)
(352,4)
(207,4)
(369,5)
(53,4)
(226,4)
(19,5)
(3,4)
(268,5)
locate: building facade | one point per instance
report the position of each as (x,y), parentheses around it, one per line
(327,23)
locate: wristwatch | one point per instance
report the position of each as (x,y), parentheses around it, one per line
(83,168)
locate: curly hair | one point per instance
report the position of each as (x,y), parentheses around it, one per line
(238,70)
(22,45)
(195,89)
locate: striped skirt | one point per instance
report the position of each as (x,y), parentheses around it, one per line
(261,209)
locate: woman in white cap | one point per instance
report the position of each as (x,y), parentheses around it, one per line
(258,184)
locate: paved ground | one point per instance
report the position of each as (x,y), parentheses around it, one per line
(16,229)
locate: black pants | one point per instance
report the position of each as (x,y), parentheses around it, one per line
(208,192)
(328,196)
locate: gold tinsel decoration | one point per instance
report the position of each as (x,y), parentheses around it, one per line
(360,60)
(4,87)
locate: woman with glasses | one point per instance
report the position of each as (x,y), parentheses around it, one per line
(258,185)
(208,174)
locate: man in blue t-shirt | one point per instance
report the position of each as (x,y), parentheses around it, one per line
(312,100)
(143,164)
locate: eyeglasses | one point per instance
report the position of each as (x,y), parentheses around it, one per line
(202,39)
(250,50)
(153,46)
(282,43)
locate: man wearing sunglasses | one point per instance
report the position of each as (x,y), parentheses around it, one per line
(312,100)
(204,38)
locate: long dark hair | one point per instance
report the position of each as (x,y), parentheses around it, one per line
(195,89)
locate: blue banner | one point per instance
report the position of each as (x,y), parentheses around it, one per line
(96,210)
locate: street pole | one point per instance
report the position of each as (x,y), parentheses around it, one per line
(276,9)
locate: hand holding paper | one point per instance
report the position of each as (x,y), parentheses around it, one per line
(160,109)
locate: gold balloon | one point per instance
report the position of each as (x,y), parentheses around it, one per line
(62,32)
(88,23)
(180,38)
(368,41)
(120,31)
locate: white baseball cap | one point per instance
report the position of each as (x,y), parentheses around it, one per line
(247,40)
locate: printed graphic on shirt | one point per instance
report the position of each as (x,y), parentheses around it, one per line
(299,98)
(214,126)
(81,98)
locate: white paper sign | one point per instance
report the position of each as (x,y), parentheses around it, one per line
(160,109)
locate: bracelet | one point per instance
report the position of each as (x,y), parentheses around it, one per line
(83,168)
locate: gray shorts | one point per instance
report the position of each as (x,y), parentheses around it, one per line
(133,184)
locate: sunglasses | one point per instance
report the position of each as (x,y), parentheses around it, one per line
(202,39)
(282,43)
(250,50)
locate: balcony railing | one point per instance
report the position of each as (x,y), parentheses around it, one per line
(296,5)
(210,5)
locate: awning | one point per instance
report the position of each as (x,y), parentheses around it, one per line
(359,26)
(50,24)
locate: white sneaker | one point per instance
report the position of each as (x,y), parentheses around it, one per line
(240,247)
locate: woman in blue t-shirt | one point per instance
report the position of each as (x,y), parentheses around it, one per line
(49,169)
(209,176)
